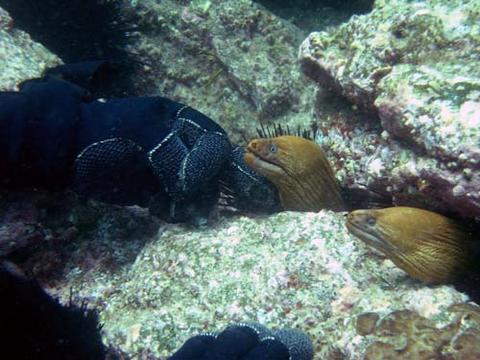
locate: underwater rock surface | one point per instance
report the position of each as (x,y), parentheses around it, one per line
(312,15)
(300,270)
(415,66)
(20,57)
(233,60)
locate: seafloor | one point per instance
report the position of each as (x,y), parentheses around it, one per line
(394,89)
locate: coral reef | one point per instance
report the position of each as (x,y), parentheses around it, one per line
(20,57)
(414,66)
(297,270)
(408,126)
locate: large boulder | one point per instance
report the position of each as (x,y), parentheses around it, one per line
(233,60)
(414,67)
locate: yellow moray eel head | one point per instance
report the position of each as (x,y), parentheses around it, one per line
(300,171)
(428,246)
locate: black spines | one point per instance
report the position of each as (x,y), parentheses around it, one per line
(36,326)
(275,130)
(75,30)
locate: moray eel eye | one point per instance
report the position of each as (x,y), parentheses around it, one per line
(371,221)
(273,149)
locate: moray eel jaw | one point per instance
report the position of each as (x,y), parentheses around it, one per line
(362,224)
(262,165)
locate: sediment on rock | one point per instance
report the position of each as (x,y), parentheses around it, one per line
(412,66)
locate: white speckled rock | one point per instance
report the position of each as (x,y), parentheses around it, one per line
(233,60)
(300,270)
(20,57)
(413,65)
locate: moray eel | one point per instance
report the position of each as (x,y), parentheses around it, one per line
(300,171)
(429,247)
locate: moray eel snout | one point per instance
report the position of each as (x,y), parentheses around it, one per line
(428,246)
(300,171)
(363,224)
(264,155)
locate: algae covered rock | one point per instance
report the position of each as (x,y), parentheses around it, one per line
(407,335)
(297,270)
(20,57)
(233,60)
(414,65)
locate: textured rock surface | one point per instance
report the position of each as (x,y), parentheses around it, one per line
(407,335)
(45,228)
(298,270)
(233,60)
(414,65)
(20,57)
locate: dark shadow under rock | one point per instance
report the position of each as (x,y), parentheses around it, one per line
(312,15)
(36,326)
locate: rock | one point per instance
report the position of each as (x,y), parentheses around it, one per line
(413,66)
(20,224)
(233,60)
(366,323)
(300,270)
(313,15)
(20,57)
(44,229)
